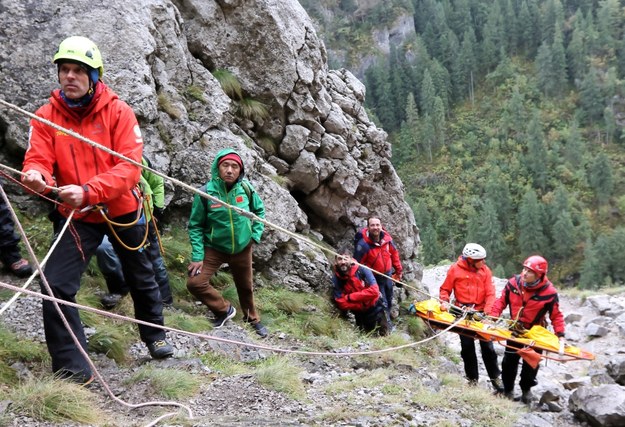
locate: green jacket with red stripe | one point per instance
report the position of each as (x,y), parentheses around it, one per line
(214,225)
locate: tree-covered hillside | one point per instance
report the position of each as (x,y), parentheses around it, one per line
(506,119)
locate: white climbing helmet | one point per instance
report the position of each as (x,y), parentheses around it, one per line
(474,251)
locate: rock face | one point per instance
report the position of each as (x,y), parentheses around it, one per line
(321,166)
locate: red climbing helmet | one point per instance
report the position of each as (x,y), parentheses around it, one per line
(537,264)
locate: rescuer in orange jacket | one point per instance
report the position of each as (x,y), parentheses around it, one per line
(471,282)
(86,176)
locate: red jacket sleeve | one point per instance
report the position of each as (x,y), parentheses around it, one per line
(500,304)
(359,300)
(557,320)
(395,259)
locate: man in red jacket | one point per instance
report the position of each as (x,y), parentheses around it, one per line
(471,282)
(531,296)
(85,177)
(375,249)
(355,290)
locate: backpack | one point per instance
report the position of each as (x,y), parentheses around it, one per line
(246,188)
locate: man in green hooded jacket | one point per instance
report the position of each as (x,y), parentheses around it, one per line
(220,235)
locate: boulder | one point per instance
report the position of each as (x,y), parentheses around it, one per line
(616,369)
(599,406)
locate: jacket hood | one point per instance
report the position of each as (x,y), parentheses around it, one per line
(215,166)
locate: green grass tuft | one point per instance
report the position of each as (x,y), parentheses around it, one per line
(252,109)
(56,401)
(281,374)
(113,340)
(169,383)
(229,83)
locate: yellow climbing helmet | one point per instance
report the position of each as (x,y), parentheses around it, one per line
(81,49)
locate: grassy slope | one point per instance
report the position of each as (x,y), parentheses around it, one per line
(303,321)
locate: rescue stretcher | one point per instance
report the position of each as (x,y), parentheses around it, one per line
(536,338)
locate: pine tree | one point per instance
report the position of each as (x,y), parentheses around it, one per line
(530,216)
(575,147)
(591,100)
(427,135)
(601,178)
(536,157)
(498,190)
(544,69)
(465,66)
(438,119)
(563,236)
(558,63)
(591,276)
(610,124)
(427,94)
(493,39)
(576,56)
(490,232)
(608,22)
(412,127)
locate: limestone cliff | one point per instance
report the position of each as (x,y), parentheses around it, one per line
(321,166)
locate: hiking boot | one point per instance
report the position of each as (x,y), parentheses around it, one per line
(160,349)
(473,382)
(82,379)
(497,384)
(21,268)
(527,397)
(260,329)
(109,301)
(221,320)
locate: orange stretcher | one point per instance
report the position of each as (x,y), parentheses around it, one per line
(537,338)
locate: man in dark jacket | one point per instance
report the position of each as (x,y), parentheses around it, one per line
(531,296)
(219,235)
(356,290)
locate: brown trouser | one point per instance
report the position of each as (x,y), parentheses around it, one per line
(241,267)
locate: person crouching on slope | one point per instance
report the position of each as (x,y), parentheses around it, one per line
(530,296)
(471,282)
(356,290)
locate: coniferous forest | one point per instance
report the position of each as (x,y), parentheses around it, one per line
(507,124)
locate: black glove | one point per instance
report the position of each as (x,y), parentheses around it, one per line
(478,316)
(518,330)
(158,213)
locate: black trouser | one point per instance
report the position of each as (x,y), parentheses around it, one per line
(368,320)
(510,366)
(63,271)
(9,251)
(386,290)
(489,356)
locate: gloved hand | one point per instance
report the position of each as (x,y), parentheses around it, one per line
(518,330)
(562,345)
(158,213)
(397,280)
(444,306)
(478,316)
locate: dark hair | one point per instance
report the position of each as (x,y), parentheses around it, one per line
(344,250)
(371,217)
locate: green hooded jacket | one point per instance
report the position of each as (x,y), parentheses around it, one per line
(216,226)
